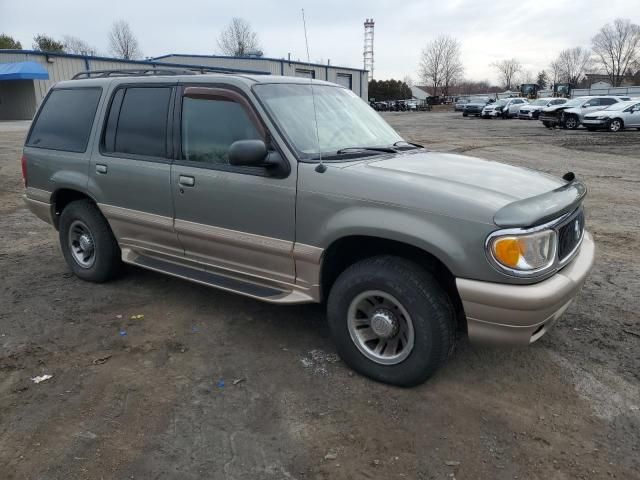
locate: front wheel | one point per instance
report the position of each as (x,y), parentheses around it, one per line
(616,125)
(391,321)
(571,122)
(88,245)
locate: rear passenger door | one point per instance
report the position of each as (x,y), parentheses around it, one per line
(130,172)
(238,220)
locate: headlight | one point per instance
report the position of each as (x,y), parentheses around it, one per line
(523,253)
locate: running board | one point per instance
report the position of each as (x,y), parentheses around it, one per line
(204,277)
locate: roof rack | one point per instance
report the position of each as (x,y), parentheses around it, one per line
(143,72)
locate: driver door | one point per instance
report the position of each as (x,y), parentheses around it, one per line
(239,221)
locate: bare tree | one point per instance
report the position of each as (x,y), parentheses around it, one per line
(238,39)
(77,46)
(507,70)
(617,49)
(452,68)
(573,63)
(440,64)
(554,68)
(408,80)
(122,41)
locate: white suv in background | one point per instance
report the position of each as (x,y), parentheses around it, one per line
(505,108)
(532,110)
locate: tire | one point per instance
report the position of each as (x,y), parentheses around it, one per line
(547,124)
(616,125)
(591,129)
(96,257)
(404,287)
(571,122)
(465,115)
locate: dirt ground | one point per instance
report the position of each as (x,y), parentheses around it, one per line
(213,385)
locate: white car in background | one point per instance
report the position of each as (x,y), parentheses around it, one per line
(615,118)
(532,110)
(505,108)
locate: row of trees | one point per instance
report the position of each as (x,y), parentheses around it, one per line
(122,43)
(615,51)
(237,39)
(383,90)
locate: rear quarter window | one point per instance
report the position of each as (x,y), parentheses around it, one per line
(65,120)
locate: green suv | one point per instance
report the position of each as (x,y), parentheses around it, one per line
(292,191)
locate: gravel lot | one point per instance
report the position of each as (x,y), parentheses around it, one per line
(151,403)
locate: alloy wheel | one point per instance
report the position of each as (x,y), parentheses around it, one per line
(380,327)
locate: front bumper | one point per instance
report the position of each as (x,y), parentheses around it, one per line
(595,122)
(528,115)
(521,314)
(551,119)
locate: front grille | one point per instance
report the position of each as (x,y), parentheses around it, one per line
(570,234)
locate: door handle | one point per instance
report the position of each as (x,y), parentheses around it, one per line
(186,181)
(100,168)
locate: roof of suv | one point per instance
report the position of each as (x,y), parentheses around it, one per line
(203,78)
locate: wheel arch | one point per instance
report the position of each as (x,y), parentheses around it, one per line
(617,118)
(62,197)
(347,250)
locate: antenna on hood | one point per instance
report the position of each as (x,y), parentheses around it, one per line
(321,168)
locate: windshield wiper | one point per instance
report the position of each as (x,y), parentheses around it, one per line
(400,142)
(366,149)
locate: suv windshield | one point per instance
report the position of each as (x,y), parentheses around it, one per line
(500,103)
(575,102)
(344,119)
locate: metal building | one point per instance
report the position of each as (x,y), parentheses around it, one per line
(26,75)
(355,79)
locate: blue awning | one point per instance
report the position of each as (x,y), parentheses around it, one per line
(23,71)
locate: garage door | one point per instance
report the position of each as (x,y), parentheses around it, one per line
(344,79)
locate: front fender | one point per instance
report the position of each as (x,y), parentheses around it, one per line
(458,244)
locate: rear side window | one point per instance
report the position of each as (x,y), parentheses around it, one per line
(607,101)
(65,120)
(137,122)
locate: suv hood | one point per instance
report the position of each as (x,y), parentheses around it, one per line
(555,108)
(446,184)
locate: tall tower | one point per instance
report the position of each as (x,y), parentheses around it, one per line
(368,46)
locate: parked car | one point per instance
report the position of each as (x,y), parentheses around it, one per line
(460,103)
(533,109)
(504,108)
(570,114)
(263,186)
(475,105)
(615,118)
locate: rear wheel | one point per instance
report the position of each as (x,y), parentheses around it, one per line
(616,125)
(465,115)
(87,243)
(391,320)
(547,124)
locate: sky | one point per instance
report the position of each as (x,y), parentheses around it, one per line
(532,31)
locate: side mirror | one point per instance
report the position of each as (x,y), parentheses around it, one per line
(248,153)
